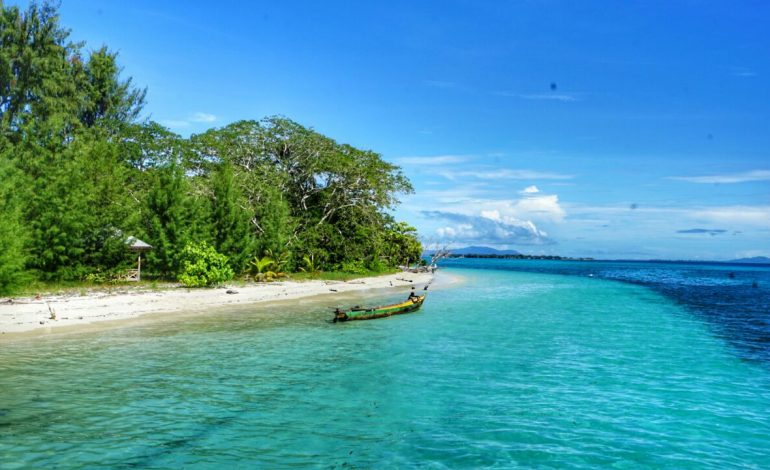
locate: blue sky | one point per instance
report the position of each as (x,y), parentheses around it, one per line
(605,129)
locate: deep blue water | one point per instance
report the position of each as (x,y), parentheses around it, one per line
(733,298)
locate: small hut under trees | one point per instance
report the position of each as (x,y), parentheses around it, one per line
(137,246)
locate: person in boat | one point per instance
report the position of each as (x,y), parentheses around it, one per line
(412,296)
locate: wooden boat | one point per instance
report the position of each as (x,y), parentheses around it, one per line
(412,303)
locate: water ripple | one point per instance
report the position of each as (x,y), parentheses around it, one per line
(512,370)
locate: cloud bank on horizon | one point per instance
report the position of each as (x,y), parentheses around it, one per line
(464,203)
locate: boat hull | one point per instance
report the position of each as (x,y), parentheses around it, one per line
(410,305)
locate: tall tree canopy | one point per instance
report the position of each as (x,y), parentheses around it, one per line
(81,170)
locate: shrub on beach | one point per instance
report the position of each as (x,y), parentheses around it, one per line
(353,267)
(203,266)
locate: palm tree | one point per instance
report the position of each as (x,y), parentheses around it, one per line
(260,265)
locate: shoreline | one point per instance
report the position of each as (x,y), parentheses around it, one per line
(27,316)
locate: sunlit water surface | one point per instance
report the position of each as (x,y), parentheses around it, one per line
(507,369)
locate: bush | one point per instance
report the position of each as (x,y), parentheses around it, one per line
(97,277)
(353,267)
(203,266)
(377,265)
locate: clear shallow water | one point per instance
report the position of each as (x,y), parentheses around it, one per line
(734,299)
(510,369)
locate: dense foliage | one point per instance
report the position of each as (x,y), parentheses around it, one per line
(203,266)
(80,171)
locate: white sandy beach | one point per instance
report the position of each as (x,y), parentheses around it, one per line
(20,315)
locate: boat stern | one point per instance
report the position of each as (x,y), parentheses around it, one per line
(340,315)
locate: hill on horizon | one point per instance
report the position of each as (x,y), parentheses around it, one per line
(753,260)
(482,250)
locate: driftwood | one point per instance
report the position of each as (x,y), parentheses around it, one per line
(418,269)
(19,302)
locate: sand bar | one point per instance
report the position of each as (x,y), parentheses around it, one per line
(20,315)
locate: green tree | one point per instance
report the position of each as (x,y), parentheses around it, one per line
(12,232)
(167,222)
(256,179)
(106,100)
(58,118)
(400,244)
(273,221)
(231,227)
(37,80)
(77,209)
(308,193)
(148,145)
(110,210)
(90,172)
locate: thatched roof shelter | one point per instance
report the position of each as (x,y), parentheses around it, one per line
(138,246)
(134,244)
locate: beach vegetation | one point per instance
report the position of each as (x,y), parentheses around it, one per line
(280,261)
(203,266)
(230,224)
(12,235)
(261,269)
(167,222)
(82,168)
(400,244)
(96,278)
(353,267)
(310,266)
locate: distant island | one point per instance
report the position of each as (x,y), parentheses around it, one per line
(494,253)
(489,252)
(482,250)
(518,256)
(753,260)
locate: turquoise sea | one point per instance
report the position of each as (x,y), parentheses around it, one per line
(522,364)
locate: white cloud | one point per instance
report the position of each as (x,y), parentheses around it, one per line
(530,190)
(444,194)
(563,97)
(747,215)
(732,217)
(433,160)
(539,208)
(752,253)
(621,209)
(504,174)
(460,231)
(742,72)
(747,176)
(492,215)
(203,117)
(488,228)
(183,123)
(551,97)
